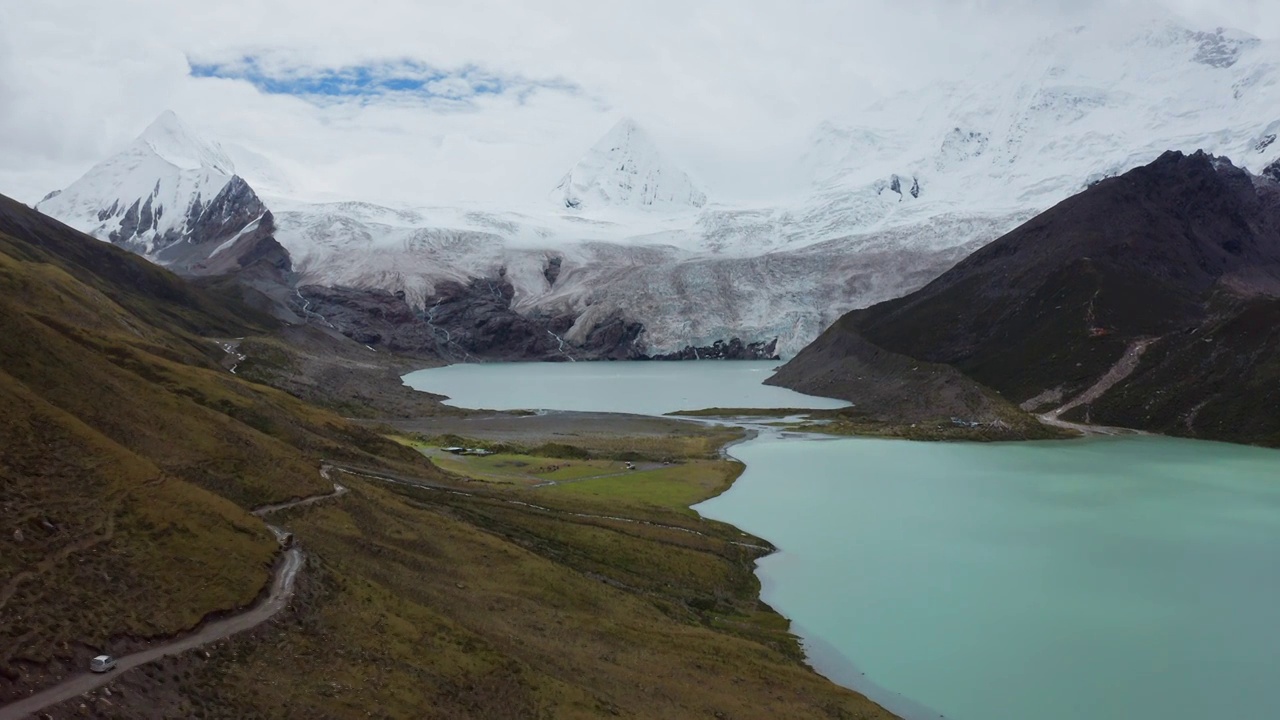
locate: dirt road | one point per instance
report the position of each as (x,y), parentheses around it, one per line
(1123,368)
(281,590)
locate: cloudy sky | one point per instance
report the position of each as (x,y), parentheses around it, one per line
(491,99)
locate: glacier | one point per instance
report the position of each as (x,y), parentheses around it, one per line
(899,192)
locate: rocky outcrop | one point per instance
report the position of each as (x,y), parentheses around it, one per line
(468,322)
(475,322)
(229,212)
(376,318)
(1272,171)
(615,338)
(204,221)
(552,271)
(735,349)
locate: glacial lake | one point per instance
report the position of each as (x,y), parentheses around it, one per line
(1110,579)
(641,388)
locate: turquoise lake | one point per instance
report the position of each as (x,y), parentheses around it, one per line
(1114,578)
(642,388)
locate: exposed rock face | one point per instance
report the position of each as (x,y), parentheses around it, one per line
(1220,48)
(616,338)
(370,317)
(465,323)
(475,322)
(735,349)
(1272,171)
(207,224)
(230,211)
(552,271)
(1185,251)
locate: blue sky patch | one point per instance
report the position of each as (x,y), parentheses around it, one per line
(399,78)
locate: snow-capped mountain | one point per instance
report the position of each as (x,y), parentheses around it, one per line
(1041,123)
(625,169)
(170,196)
(900,192)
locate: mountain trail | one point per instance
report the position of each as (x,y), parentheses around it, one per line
(281,590)
(1123,368)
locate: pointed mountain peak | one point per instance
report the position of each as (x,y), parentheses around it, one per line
(626,127)
(168,137)
(166,123)
(625,169)
(626,135)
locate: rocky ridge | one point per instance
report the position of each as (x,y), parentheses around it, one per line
(1173,267)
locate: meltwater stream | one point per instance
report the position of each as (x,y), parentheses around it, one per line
(1107,579)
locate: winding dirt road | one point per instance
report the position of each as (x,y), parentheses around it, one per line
(1123,368)
(281,590)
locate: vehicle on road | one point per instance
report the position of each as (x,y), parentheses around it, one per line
(102,663)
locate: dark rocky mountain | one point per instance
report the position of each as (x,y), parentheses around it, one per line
(233,231)
(476,321)
(1272,171)
(1180,258)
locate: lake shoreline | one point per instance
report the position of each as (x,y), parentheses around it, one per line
(820,656)
(534,428)
(939,564)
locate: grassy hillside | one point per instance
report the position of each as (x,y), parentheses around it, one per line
(130,455)
(428,604)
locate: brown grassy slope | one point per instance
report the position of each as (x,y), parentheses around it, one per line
(152,295)
(424,604)
(113,411)
(97,542)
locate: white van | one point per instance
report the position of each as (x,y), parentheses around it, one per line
(102,664)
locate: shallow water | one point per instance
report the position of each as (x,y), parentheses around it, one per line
(1115,578)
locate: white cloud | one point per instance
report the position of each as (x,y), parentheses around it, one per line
(729,87)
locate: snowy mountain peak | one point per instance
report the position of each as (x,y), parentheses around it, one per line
(625,169)
(169,138)
(169,195)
